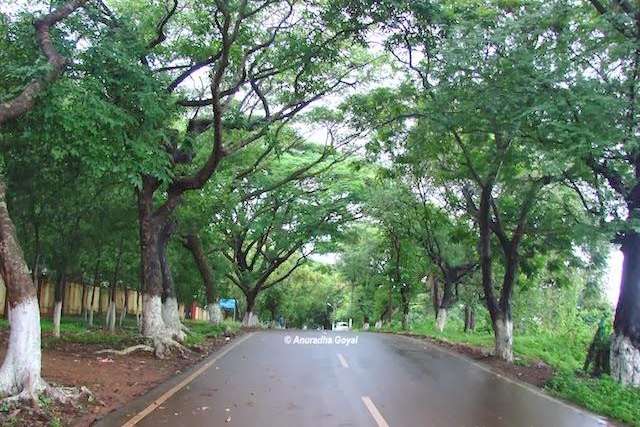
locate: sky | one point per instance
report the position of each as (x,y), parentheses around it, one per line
(614,274)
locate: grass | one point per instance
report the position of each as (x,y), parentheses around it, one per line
(199,331)
(73,329)
(600,395)
(565,353)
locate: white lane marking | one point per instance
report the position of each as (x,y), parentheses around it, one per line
(377,416)
(343,361)
(159,401)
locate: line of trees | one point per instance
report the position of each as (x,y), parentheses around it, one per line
(519,122)
(114,116)
(163,145)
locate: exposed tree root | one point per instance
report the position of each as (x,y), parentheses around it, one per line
(63,395)
(127,350)
(68,395)
(164,346)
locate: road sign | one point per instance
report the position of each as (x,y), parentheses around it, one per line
(228,304)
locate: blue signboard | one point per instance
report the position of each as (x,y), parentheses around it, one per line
(227,304)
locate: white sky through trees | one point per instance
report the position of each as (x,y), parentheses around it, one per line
(614,274)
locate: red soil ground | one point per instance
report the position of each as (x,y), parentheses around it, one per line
(113,380)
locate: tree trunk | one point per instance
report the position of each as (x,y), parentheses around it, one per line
(469,319)
(446,301)
(441,318)
(404,300)
(435,294)
(57,314)
(107,316)
(139,310)
(250,319)
(500,317)
(20,373)
(152,324)
(125,308)
(91,303)
(503,332)
(91,300)
(35,273)
(625,344)
(215,314)
(110,323)
(194,245)
(90,319)
(7,314)
(170,313)
(57,308)
(83,303)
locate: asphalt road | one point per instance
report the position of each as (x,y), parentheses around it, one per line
(382,380)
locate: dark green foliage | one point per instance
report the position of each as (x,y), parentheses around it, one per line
(599,351)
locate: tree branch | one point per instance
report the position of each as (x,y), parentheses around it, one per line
(26,99)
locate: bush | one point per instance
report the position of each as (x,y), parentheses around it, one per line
(602,395)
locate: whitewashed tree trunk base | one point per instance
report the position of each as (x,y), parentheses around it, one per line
(20,374)
(111,317)
(123,314)
(215,314)
(171,318)
(250,320)
(90,321)
(625,361)
(107,317)
(441,319)
(57,313)
(154,328)
(504,340)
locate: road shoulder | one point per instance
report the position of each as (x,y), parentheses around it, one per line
(505,375)
(154,397)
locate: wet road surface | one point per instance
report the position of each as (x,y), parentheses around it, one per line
(382,380)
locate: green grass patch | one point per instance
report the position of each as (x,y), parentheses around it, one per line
(561,351)
(601,395)
(199,331)
(451,334)
(75,330)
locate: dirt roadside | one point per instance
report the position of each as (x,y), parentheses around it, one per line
(112,379)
